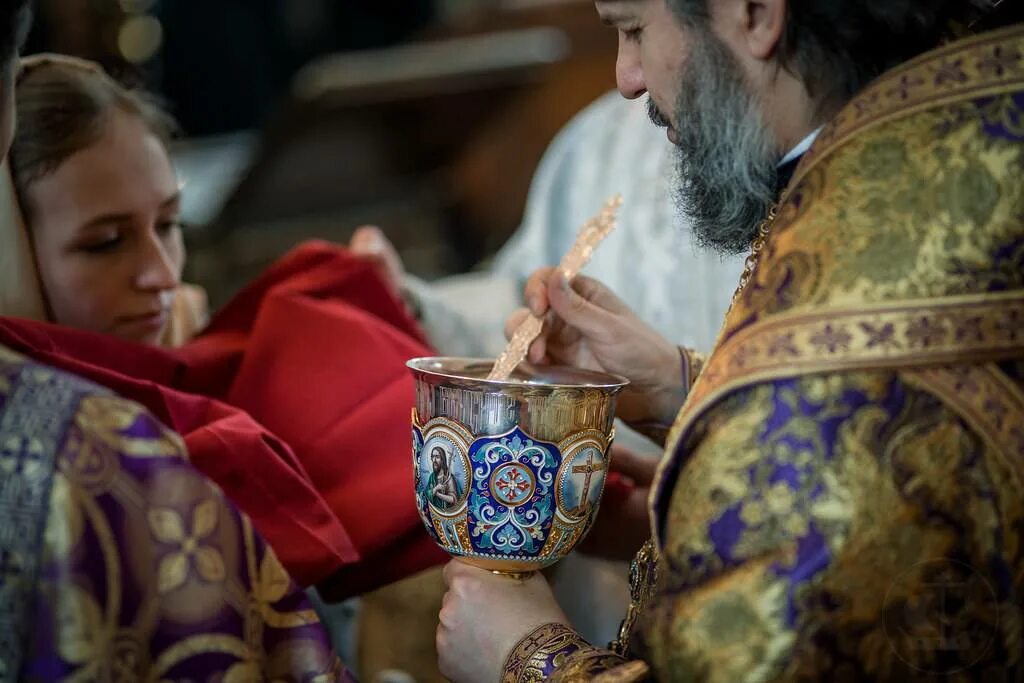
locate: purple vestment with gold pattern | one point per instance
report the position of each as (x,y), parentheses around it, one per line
(842,497)
(120,561)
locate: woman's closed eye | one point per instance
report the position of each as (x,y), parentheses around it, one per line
(101,244)
(110,241)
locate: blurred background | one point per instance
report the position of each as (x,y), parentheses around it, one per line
(308,118)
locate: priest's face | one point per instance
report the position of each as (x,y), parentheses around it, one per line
(699,89)
(653,49)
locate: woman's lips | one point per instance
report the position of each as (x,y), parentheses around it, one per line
(145,323)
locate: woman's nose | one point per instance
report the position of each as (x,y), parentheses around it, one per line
(157,270)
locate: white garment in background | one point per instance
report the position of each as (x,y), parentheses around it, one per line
(650,260)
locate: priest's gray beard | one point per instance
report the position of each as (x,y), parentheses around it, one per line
(727,156)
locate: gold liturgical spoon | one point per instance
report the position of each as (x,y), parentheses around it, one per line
(589,237)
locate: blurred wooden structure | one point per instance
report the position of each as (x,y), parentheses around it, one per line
(436,142)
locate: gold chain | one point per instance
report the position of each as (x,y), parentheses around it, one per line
(756,247)
(755,251)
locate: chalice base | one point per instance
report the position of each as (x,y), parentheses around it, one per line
(509,568)
(515,576)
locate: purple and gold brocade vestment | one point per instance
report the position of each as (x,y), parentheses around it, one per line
(842,496)
(121,562)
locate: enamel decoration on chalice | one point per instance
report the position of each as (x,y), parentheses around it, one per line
(510,459)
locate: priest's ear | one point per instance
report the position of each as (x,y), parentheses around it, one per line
(752,28)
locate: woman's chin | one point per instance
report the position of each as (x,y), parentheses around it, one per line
(144,330)
(149,337)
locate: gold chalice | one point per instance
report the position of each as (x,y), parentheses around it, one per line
(509,474)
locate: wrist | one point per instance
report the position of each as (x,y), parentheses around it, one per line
(657,403)
(668,388)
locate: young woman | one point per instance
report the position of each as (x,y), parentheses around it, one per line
(102,204)
(313,350)
(120,559)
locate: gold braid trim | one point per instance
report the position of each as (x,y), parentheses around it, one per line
(555,652)
(693,365)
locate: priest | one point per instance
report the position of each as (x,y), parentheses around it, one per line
(840,493)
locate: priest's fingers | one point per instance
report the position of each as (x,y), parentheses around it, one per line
(577,305)
(538,349)
(600,295)
(536,292)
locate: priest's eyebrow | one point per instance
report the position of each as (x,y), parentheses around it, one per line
(612,12)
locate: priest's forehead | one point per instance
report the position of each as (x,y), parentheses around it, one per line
(612,12)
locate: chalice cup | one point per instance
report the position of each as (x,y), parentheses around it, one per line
(509,474)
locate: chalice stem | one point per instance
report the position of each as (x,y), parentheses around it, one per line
(516,576)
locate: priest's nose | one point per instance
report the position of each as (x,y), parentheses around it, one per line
(629,72)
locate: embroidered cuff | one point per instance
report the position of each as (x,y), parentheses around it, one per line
(555,652)
(693,363)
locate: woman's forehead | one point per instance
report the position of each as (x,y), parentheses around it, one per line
(128,164)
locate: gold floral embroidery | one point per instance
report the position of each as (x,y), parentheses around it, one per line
(273,584)
(107,418)
(168,527)
(64,528)
(971,68)
(124,534)
(919,200)
(988,401)
(840,458)
(555,652)
(887,493)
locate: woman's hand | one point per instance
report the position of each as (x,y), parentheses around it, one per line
(483,616)
(370,244)
(587,326)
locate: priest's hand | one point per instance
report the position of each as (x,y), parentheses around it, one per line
(483,616)
(623,523)
(587,326)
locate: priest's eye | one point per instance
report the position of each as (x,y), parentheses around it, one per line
(633,35)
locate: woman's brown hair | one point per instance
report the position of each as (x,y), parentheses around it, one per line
(64,105)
